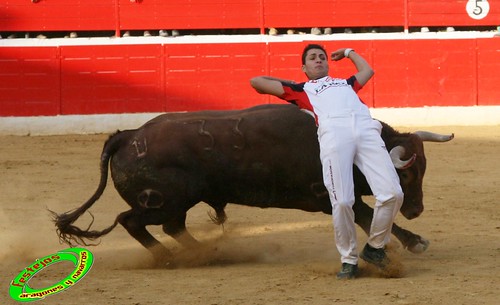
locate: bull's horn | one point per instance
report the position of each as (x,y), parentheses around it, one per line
(397,153)
(434,137)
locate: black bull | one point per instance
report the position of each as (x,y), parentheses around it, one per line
(265,156)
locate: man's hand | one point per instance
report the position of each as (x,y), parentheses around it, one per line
(365,72)
(338,55)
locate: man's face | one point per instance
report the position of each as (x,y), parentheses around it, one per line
(316,65)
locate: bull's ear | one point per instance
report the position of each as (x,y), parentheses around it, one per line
(397,153)
(434,137)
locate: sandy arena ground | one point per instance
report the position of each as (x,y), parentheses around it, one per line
(267,256)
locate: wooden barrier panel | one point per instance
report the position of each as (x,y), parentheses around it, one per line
(194,14)
(417,73)
(111,79)
(29,81)
(488,77)
(333,13)
(211,76)
(57,15)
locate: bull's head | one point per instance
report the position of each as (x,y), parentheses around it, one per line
(408,156)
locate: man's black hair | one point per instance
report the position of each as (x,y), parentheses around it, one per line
(310,47)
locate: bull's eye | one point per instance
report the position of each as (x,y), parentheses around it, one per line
(406,175)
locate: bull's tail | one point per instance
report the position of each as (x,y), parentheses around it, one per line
(70,233)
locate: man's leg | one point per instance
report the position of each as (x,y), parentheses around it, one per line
(337,151)
(375,163)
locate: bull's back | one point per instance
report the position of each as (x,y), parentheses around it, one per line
(263,156)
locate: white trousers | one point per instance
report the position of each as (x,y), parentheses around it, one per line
(345,141)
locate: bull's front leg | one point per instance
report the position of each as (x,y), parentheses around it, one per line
(364,215)
(412,242)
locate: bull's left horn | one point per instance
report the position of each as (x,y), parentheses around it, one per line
(434,137)
(397,153)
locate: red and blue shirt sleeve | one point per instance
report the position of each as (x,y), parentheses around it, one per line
(353,82)
(295,94)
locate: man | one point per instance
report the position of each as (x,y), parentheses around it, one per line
(347,135)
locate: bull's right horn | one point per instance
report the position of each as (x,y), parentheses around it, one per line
(434,137)
(397,153)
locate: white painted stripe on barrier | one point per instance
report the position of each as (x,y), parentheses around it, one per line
(209,39)
(72,124)
(108,123)
(439,116)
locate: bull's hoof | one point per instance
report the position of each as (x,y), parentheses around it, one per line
(420,246)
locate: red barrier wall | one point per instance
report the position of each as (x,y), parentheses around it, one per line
(119,15)
(87,79)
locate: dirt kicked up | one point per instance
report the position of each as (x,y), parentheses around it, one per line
(261,256)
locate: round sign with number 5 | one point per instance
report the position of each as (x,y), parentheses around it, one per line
(477,9)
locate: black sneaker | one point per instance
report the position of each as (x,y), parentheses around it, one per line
(375,256)
(348,271)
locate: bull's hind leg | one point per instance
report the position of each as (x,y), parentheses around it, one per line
(135,223)
(176,228)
